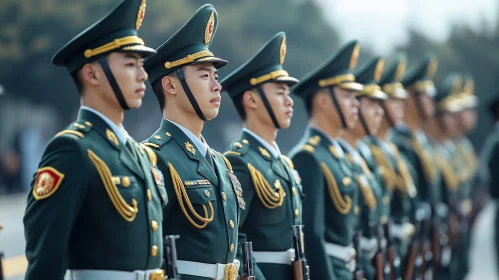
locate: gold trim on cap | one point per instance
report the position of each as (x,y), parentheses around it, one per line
(355,56)
(270,76)
(188,59)
(337,80)
(117,43)
(379,70)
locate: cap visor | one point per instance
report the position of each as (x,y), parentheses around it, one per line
(142,50)
(287,80)
(351,86)
(217,62)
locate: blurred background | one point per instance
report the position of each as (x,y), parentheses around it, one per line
(38,99)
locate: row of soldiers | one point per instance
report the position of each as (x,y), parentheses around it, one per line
(382,179)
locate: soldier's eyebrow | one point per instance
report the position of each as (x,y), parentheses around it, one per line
(215,71)
(132,56)
(282,87)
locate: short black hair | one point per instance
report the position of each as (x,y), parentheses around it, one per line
(76,75)
(238,104)
(157,88)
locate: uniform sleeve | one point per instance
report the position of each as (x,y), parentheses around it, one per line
(57,193)
(314,215)
(241,170)
(493,166)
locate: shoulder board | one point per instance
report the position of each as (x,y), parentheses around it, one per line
(314,140)
(69,131)
(78,128)
(288,161)
(238,148)
(227,163)
(157,140)
(150,154)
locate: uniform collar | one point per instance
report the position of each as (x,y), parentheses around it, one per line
(201,144)
(119,131)
(274,150)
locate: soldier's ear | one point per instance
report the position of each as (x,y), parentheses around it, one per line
(322,99)
(169,85)
(91,75)
(249,99)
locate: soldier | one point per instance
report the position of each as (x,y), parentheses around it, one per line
(375,198)
(396,169)
(414,144)
(330,210)
(491,159)
(205,213)
(96,200)
(272,191)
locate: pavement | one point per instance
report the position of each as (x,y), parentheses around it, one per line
(12,241)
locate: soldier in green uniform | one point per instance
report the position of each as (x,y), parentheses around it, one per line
(208,196)
(96,199)
(330,210)
(491,159)
(397,170)
(413,143)
(272,191)
(375,198)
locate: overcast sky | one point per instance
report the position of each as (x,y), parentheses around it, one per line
(384,23)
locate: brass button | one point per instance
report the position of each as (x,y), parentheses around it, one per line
(384,219)
(164,197)
(157,137)
(293,190)
(245,141)
(231,223)
(347,181)
(356,210)
(154,250)
(238,145)
(207,193)
(125,181)
(154,225)
(149,195)
(168,134)
(224,196)
(232,247)
(386,200)
(87,123)
(297,212)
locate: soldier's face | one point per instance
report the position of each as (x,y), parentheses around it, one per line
(130,75)
(202,80)
(468,119)
(427,104)
(280,100)
(395,109)
(372,113)
(349,105)
(450,124)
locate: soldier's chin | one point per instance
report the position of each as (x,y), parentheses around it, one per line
(285,124)
(134,104)
(211,114)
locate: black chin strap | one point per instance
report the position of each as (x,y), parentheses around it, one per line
(268,107)
(338,108)
(387,115)
(113,83)
(419,105)
(363,122)
(194,103)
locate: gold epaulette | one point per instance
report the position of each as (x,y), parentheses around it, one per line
(403,181)
(128,212)
(227,162)
(448,173)
(151,154)
(69,131)
(308,148)
(382,160)
(367,192)
(152,145)
(342,204)
(269,197)
(288,161)
(182,196)
(426,162)
(232,153)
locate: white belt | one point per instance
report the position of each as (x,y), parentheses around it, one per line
(283,257)
(213,271)
(95,274)
(369,246)
(403,231)
(345,253)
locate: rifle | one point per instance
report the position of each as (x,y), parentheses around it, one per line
(358,273)
(426,244)
(301,270)
(382,267)
(248,270)
(414,260)
(393,259)
(170,249)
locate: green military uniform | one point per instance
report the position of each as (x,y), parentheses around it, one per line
(330,210)
(491,159)
(206,195)
(271,187)
(96,201)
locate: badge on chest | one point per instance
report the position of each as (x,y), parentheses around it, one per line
(236,185)
(158,176)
